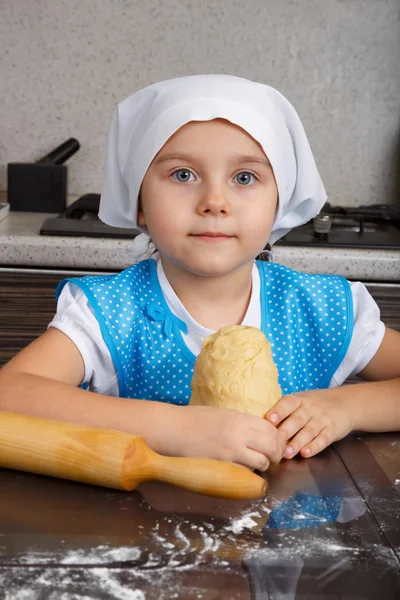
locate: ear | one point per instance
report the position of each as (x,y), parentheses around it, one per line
(141,220)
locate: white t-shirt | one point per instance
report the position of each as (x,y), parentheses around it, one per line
(75,318)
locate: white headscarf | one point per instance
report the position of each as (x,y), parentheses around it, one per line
(146,120)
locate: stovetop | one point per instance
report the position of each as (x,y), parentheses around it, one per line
(81,220)
(374,226)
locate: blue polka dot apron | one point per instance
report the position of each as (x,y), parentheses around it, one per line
(308,320)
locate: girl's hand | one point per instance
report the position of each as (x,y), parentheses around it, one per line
(227,435)
(311,421)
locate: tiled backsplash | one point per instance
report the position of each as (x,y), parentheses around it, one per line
(66,63)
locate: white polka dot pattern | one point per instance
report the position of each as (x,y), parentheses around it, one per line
(306,318)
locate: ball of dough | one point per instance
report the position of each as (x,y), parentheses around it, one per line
(235,369)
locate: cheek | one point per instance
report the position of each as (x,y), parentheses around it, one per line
(261,229)
(259,221)
(162,223)
(270,207)
(259,215)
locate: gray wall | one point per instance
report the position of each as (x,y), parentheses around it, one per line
(65,63)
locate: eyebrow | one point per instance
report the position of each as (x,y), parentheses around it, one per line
(168,157)
(240,159)
(248,158)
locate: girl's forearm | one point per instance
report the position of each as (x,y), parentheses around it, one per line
(39,396)
(374,406)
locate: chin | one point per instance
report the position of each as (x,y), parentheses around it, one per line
(207,268)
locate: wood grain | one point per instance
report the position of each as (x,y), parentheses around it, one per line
(27,305)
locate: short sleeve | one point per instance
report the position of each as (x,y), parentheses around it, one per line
(367,336)
(75,319)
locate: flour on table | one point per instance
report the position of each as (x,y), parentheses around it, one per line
(109,584)
(102,554)
(164,555)
(244,522)
(247,520)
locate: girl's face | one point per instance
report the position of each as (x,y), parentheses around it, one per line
(209,198)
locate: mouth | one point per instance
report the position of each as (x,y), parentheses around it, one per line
(212,235)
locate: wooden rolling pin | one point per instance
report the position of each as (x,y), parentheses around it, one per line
(113,459)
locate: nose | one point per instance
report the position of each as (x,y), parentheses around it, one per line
(214,202)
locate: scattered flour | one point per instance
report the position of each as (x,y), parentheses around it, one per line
(54,585)
(397,482)
(164,556)
(179,535)
(109,584)
(101,555)
(244,522)
(93,556)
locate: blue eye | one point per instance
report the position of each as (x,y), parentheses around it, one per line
(182,175)
(245,178)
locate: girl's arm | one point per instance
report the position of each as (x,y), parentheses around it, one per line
(379,410)
(386,362)
(42,380)
(310,421)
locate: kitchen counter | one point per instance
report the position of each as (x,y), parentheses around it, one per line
(22,246)
(328,527)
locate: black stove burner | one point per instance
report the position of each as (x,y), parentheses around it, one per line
(81,220)
(376,226)
(376,212)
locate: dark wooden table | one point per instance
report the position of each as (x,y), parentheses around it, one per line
(327,528)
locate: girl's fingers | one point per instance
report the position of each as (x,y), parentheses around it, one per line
(303,438)
(281,410)
(254,460)
(294,423)
(319,443)
(270,444)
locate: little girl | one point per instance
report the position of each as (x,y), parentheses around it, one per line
(212,167)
